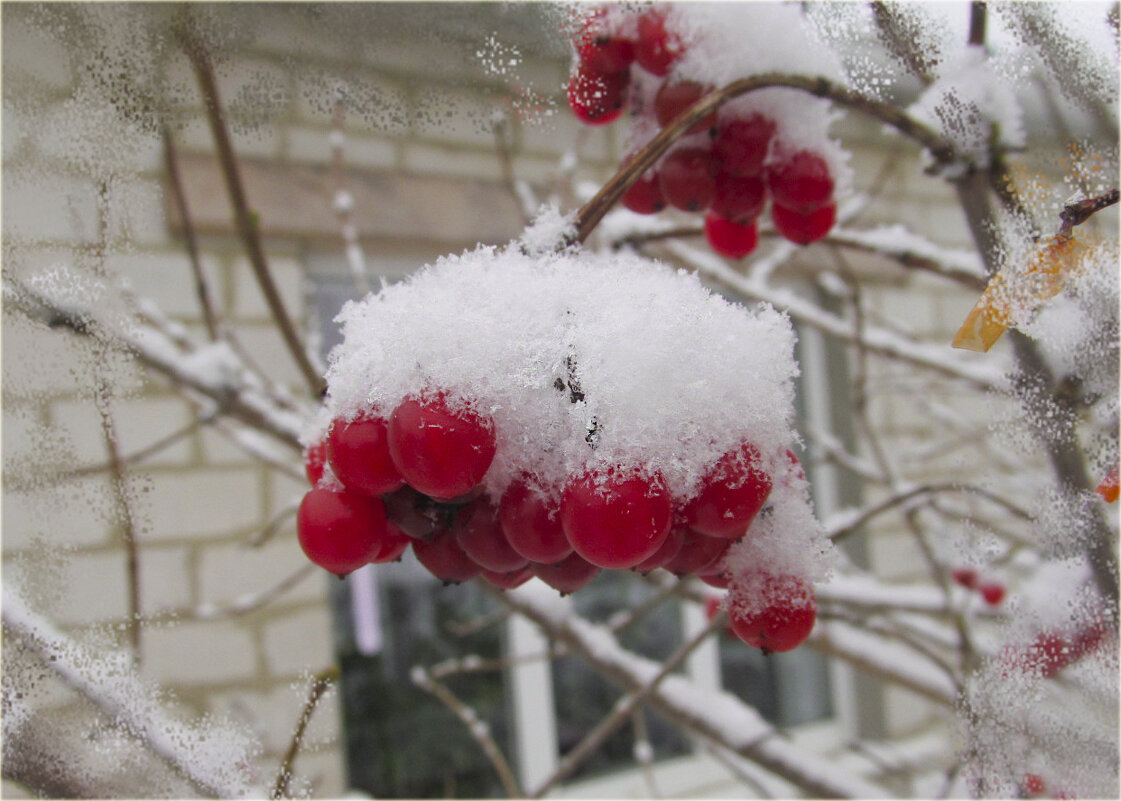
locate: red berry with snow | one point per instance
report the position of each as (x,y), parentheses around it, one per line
(444,558)
(800,181)
(480,536)
(531,522)
(441,452)
(732,240)
(616,518)
(1033,784)
(802,229)
(741,144)
(732,492)
(656,48)
(597,98)
(666,553)
(358,451)
(568,575)
(509,580)
(645,196)
(674,98)
(783,621)
(340,530)
(687,178)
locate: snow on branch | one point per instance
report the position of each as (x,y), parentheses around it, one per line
(108,680)
(716,715)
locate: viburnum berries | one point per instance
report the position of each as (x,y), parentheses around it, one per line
(340,530)
(783,621)
(733,492)
(616,519)
(358,451)
(731,239)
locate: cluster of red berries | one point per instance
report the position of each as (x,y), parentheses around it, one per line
(728,164)
(414,478)
(991,591)
(1052,650)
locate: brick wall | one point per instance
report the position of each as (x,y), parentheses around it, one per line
(424,184)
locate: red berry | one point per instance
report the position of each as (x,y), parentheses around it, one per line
(739,198)
(656,48)
(992,592)
(315,457)
(741,143)
(802,229)
(784,622)
(965,576)
(794,470)
(358,451)
(532,524)
(698,554)
(606,54)
(444,559)
(616,519)
(413,512)
(688,179)
(801,182)
(730,239)
(645,195)
(732,493)
(719,580)
(568,575)
(395,543)
(510,580)
(597,98)
(480,536)
(712,608)
(674,98)
(340,530)
(1033,784)
(666,553)
(442,453)
(1110,486)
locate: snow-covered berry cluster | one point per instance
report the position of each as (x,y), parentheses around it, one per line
(768,146)
(511,415)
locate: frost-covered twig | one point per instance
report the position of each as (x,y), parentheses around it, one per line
(320,683)
(246,221)
(242,605)
(344,201)
(477,727)
(716,715)
(625,707)
(1080,211)
(112,686)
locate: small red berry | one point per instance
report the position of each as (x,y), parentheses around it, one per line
(965,576)
(531,521)
(340,530)
(645,196)
(674,98)
(568,575)
(784,622)
(616,518)
(687,178)
(992,592)
(315,457)
(732,492)
(358,451)
(741,144)
(739,197)
(698,554)
(600,48)
(510,580)
(720,581)
(666,553)
(1033,784)
(656,48)
(395,543)
(732,240)
(480,536)
(597,98)
(444,559)
(802,229)
(801,181)
(1110,487)
(440,452)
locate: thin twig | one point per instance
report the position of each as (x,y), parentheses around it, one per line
(1077,213)
(244,219)
(171,162)
(478,729)
(625,707)
(344,200)
(242,605)
(319,685)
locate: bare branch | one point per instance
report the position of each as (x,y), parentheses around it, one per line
(1077,213)
(319,685)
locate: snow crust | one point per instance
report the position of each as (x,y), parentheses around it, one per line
(671,375)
